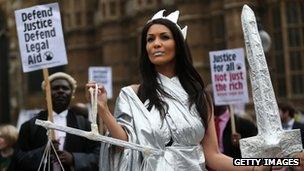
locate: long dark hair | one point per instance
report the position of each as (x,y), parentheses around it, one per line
(188,76)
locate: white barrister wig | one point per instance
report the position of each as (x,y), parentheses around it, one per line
(62,75)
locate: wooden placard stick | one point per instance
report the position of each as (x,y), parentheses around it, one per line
(48,100)
(231,111)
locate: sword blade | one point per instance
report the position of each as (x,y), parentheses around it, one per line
(271,140)
(266,108)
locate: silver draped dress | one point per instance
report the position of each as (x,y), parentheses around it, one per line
(146,128)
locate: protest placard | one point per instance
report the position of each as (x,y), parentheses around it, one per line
(102,75)
(40,36)
(228,72)
(41,43)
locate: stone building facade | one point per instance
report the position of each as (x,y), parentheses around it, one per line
(107,33)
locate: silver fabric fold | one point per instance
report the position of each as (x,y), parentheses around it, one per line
(146,128)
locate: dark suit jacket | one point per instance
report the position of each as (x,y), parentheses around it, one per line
(32,141)
(298,125)
(244,127)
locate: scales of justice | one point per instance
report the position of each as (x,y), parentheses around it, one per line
(271,142)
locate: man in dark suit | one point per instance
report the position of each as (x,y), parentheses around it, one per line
(287,113)
(76,153)
(228,142)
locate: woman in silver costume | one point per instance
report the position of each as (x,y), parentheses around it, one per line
(169,110)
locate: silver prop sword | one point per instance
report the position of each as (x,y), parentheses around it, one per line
(272,140)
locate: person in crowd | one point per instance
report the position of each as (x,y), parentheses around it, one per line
(75,153)
(169,110)
(8,138)
(228,141)
(287,113)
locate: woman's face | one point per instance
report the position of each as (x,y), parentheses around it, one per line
(160,45)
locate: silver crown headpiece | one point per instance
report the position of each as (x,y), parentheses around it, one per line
(173,17)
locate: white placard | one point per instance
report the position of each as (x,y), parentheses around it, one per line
(102,75)
(41,41)
(228,72)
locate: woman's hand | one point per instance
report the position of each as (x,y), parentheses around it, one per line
(101,95)
(105,115)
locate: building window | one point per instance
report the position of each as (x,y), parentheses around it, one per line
(218,32)
(103,9)
(67,21)
(78,5)
(122,8)
(90,18)
(112,8)
(78,18)
(289,48)
(148,2)
(295,25)
(279,53)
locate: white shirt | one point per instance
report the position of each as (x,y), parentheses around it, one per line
(60,119)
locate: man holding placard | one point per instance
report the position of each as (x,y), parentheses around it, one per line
(41,46)
(73,151)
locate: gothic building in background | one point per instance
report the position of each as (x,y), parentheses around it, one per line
(107,33)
